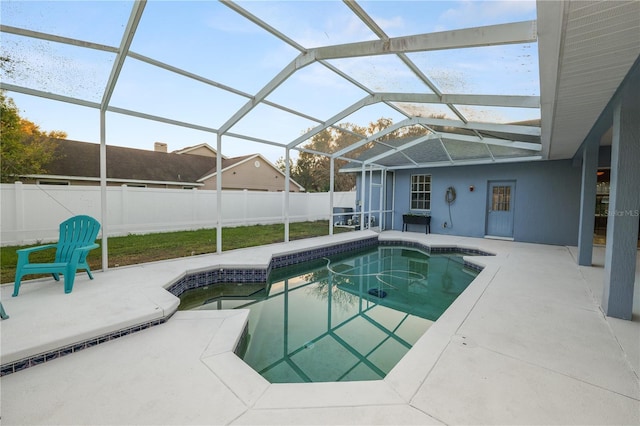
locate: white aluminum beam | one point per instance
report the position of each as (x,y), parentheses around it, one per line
(127,38)
(519,32)
(300,62)
(161,119)
(467,162)
(508,101)
(552,16)
(219,194)
(300,48)
(367,100)
(457,163)
(446,151)
(492,35)
(47,95)
(187,74)
(491,100)
(489,151)
(57,39)
(215,84)
(125,44)
(487,127)
(259,22)
(364,17)
(492,141)
(393,127)
(451,136)
(454,136)
(399,149)
(254,139)
(134,55)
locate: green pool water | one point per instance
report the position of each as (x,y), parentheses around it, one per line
(340,319)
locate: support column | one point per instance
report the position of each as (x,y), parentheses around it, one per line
(287,176)
(588,202)
(19,206)
(362,196)
(624,209)
(219,194)
(331,190)
(104,229)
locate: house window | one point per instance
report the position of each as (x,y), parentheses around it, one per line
(420,192)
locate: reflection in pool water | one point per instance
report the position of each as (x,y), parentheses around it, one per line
(345,318)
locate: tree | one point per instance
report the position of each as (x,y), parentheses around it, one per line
(24,148)
(313,171)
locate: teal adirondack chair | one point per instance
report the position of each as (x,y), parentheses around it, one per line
(77,237)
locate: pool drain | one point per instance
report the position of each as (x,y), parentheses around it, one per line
(378,293)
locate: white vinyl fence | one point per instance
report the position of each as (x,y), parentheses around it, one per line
(32,213)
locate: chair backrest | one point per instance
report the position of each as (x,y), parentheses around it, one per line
(76,232)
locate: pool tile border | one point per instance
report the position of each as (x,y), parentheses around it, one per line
(442,250)
(31,361)
(259,275)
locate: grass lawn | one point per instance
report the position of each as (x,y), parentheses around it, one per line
(134,249)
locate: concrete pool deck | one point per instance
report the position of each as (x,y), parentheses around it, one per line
(526,343)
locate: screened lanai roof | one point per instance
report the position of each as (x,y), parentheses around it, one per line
(486,80)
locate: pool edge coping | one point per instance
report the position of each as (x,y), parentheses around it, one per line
(66,349)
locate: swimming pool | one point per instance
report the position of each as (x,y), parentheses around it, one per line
(342,318)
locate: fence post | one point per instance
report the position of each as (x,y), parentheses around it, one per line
(245,200)
(194,208)
(124,213)
(19,206)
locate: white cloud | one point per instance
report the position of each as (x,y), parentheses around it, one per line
(390,23)
(471,13)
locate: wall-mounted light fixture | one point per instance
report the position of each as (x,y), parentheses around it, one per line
(471,188)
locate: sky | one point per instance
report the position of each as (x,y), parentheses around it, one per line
(211,40)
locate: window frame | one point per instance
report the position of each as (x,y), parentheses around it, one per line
(501,199)
(414,188)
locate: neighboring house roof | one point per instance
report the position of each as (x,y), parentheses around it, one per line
(81,161)
(197,149)
(235,161)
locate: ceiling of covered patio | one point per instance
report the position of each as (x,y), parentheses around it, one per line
(484,90)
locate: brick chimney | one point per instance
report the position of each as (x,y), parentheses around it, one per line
(160,147)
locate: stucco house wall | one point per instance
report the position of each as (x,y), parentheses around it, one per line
(256,174)
(546,209)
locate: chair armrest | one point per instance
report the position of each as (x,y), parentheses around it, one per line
(89,247)
(29,250)
(78,251)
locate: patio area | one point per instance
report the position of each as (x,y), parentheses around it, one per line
(526,343)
